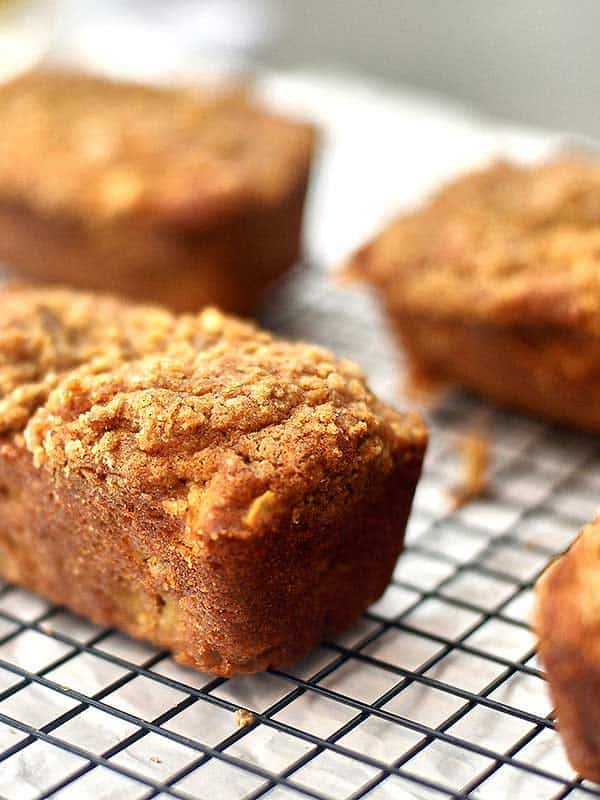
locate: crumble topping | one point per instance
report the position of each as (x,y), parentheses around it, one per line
(96,150)
(225,424)
(499,244)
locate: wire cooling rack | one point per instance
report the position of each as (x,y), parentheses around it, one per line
(436,693)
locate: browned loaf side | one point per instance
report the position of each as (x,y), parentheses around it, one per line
(193,480)
(567,621)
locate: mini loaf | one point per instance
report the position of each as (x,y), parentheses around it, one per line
(193,480)
(494,285)
(567,621)
(178,196)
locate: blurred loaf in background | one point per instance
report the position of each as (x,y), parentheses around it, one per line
(494,285)
(179,196)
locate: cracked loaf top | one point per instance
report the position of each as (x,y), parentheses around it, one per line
(507,244)
(209,415)
(92,149)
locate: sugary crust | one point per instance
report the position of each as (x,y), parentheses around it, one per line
(217,430)
(86,147)
(567,622)
(46,333)
(204,475)
(181,197)
(501,245)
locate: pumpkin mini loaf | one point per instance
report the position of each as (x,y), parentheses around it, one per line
(177,196)
(494,284)
(193,480)
(567,622)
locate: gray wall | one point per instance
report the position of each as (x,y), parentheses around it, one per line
(534,61)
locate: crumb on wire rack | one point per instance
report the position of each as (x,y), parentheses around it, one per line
(244,718)
(474,482)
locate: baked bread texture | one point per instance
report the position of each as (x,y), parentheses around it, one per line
(193,480)
(177,196)
(494,284)
(567,622)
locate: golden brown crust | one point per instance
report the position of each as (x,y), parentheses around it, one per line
(175,196)
(93,149)
(495,284)
(266,416)
(498,245)
(190,434)
(46,333)
(567,622)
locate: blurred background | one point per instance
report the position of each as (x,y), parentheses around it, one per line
(530,61)
(405,92)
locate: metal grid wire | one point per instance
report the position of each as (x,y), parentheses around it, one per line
(436,693)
